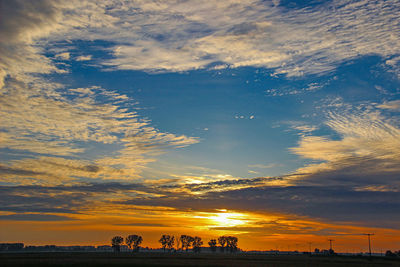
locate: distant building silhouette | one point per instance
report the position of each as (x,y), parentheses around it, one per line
(11,246)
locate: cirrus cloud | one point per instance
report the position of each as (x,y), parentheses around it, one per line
(365,153)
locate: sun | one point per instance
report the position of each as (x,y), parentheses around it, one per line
(228,219)
(224,218)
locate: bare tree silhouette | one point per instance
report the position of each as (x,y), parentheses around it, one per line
(116,242)
(178,243)
(133,242)
(197,243)
(186,241)
(222,241)
(229,242)
(182,240)
(167,241)
(213,245)
(232,243)
(171,242)
(163,240)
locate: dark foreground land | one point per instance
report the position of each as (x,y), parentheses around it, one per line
(182,259)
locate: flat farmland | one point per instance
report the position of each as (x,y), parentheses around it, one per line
(182,259)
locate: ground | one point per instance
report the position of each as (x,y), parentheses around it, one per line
(162,259)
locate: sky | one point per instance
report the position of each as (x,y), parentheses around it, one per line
(274,121)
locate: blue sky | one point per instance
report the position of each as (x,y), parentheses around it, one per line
(189,99)
(246,118)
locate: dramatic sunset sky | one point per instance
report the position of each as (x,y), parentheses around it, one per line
(274,121)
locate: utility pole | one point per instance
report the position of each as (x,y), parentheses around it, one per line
(331,252)
(330,243)
(309,243)
(369,242)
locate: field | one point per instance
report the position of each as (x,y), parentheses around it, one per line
(163,259)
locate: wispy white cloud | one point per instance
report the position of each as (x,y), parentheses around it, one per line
(392,105)
(393,65)
(304,129)
(22,23)
(294,90)
(264,166)
(84,58)
(186,35)
(64,56)
(366,152)
(69,124)
(55,127)
(182,35)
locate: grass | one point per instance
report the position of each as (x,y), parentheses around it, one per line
(182,259)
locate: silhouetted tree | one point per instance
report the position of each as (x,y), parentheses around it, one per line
(167,241)
(178,243)
(164,240)
(171,242)
(213,245)
(190,241)
(197,243)
(186,241)
(116,242)
(133,242)
(222,241)
(182,240)
(389,253)
(231,243)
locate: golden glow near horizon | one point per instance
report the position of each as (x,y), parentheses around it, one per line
(257,231)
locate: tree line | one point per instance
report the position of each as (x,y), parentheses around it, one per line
(184,242)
